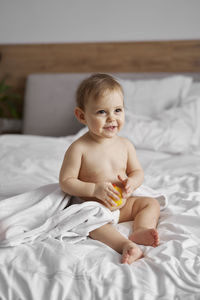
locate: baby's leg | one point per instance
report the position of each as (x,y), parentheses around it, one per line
(108,235)
(145,212)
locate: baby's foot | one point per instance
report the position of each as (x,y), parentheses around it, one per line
(131,252)
(147,237)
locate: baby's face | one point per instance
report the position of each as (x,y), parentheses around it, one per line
(105,116)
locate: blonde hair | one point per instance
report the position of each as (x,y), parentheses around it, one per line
(95,85)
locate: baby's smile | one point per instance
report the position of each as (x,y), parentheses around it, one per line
(110,127)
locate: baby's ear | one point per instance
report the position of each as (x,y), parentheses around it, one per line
(80,115)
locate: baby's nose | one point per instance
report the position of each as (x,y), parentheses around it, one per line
(110,117)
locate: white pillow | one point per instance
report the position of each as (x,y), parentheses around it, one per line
(150,97)
(177,130)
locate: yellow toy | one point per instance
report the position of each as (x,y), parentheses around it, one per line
(118,202)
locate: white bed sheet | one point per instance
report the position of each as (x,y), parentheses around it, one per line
(52,269)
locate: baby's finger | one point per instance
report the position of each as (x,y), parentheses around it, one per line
(114,192)
(114,197)
(124,181)
(120,178)
(127,188)
(110,203)
(126,194)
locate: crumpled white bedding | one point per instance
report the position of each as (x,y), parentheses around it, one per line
(46,212)
(56,269)
(176,130)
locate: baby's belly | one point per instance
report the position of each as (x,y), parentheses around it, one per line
(105,176)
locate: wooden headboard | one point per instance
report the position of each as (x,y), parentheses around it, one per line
(18,61)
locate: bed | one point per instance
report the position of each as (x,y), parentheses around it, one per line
(162,120)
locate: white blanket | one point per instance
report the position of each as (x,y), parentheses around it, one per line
(42,213)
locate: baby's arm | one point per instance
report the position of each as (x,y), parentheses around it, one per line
(72,185)
(134,171)
(69,172)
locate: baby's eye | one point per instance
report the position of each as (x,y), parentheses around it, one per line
(118,110)
(101,112)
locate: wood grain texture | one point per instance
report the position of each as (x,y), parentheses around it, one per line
(18,61)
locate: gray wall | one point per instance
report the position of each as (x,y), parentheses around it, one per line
(49,21)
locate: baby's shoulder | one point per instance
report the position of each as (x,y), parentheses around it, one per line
(79,144)
(125,141)
(127,144)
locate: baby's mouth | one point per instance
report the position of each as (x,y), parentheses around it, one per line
(110,128)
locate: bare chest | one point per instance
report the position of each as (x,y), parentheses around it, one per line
(103,164)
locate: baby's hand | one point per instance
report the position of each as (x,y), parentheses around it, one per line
(105,191)
(127,187)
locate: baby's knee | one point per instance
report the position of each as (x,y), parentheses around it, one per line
(146,203)
(152,202)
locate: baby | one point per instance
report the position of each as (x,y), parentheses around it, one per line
(101,158)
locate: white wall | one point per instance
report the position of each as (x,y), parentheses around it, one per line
(49,21)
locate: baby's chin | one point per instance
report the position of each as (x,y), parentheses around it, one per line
(103,135)
(110,132)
